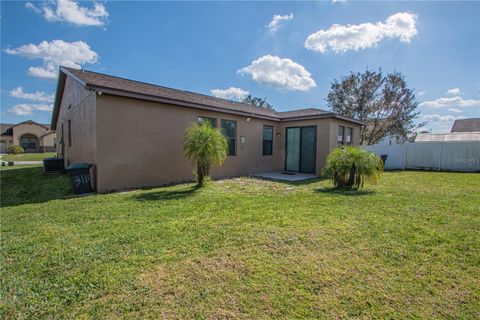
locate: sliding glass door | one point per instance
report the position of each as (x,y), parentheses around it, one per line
(293,149)
(301,149)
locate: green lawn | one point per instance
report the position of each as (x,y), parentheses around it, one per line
(28,156)
(242,248)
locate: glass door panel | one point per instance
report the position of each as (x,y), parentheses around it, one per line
(308,149)
(293,149)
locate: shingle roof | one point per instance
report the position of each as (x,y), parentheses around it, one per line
(6,129)
(466,125)
(101,81)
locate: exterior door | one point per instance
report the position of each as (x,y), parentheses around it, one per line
(301,149)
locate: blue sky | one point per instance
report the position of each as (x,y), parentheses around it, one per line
(288,52)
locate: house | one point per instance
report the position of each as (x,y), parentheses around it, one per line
(466,125)
(132,132)
(463,130)
(30,135)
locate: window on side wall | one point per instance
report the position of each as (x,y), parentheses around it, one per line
(229,129)
(349,136)
(341,135)
(69,124)
(267,140)
(211,121)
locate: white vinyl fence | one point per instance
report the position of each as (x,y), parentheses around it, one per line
(440,156)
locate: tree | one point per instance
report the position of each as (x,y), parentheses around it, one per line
(349,167)
(258,102)
(383,102)
(206,146)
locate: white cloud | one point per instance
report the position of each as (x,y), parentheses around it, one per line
(446,102)
(439,118)
(32,7)
(342,38)
(71,12)
(339,1)
(35,96)
(277,21)
(454,92)
(54,54)
(230,93)
(455,110)
(422,93)
(280,73)
(27,109)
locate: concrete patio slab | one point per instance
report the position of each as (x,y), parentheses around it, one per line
(286,176)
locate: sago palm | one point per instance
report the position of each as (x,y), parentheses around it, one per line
(349,167)
(206,146)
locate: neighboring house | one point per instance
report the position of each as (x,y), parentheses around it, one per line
(466,125)
(30,135)
(132,132)
(452,136)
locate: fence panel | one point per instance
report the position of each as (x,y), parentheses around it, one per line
(425,155)
(461,156)
(442,156)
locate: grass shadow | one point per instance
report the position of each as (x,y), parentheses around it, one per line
(166,194)
(345,192)
(28,184)
(291,183)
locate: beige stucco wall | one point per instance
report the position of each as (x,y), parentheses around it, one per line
(78,105)
(140,144)
(34,129)
(48,140)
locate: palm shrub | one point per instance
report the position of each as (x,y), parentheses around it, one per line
(206,146)
(349,167)
(13,149)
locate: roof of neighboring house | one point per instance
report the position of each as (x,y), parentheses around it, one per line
(135,89)
(466,125)
(453,136)
(6,129)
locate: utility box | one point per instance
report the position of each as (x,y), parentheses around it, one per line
(51,165)
(80,177)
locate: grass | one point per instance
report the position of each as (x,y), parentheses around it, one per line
(242,248)
(28,156)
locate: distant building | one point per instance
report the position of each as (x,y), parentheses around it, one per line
(466,125)
(465,130)
(30,135)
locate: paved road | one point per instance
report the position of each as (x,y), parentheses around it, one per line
(24,162)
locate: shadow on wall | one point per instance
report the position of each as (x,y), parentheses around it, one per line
(26,185)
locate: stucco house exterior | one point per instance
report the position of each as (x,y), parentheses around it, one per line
(32,136)
(132,132)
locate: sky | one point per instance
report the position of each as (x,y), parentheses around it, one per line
(286,52)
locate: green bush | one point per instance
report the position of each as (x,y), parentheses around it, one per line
(206,146)
(349,167)
(15,149)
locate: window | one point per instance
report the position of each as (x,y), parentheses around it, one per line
(349,136)
(341,135)
(267,140)
(28,142)
(211,121)
(229,129)
(63,136)
(69,133)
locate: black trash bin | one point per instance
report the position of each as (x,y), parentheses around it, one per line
(384,158)
(80,176)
